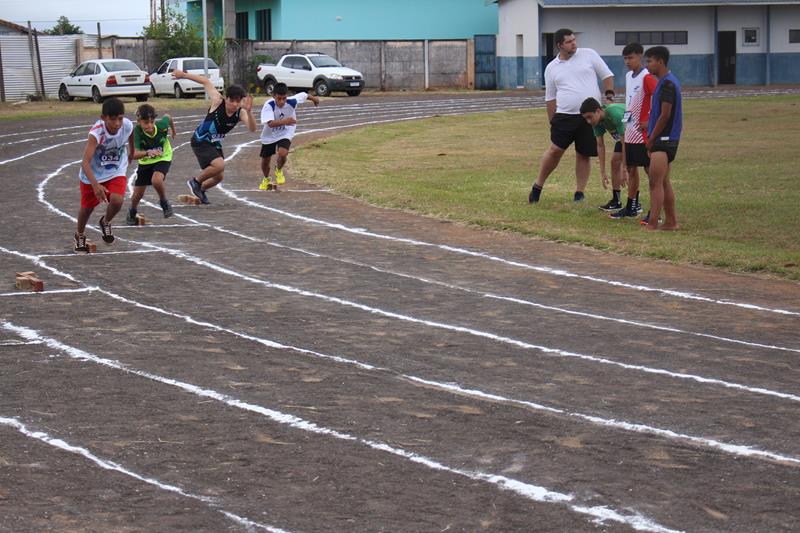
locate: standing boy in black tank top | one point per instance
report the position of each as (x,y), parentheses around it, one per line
(223,115)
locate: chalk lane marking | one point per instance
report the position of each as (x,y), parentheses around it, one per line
(459,329)
(115,467)
(452,388)
(529,491)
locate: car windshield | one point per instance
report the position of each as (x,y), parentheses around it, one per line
(324,61)
(197,64)
(118,66)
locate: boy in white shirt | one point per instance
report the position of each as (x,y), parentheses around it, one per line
(103,169)
(279,118)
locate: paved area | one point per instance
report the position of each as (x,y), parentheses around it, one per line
(303,362)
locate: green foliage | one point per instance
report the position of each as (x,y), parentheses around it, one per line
(250,74)
(177,37)
(63,27)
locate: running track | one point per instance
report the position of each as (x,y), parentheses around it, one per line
(302,362)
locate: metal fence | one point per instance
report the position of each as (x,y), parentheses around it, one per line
(20,63)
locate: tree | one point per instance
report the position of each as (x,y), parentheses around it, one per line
(63,27)
(179,38)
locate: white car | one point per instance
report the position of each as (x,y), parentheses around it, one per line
(100,78)
(162,81)
(319,72)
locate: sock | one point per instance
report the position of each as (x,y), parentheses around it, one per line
(630,204)
(578,196)
(615,192)
(536,192)
(132,211)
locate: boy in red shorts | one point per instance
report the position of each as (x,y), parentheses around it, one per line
(102,174)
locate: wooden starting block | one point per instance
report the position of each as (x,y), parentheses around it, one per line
(188,199)
(28,281)
(140,221)
(91,246)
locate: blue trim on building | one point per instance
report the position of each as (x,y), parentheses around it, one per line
(751,69)
(690,69)
(783,67)
(507,71)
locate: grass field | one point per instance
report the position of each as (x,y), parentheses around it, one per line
(736,180)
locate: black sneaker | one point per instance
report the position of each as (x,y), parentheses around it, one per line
(578,197)
(624,213)
(612,205)
(534,195)
(80,244)
(646,220)
(203,197)
(194,186)
(638,208)
(131,218)
(105,229)
(166,208)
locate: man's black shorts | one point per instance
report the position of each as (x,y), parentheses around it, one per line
(636,155)
(205,152)
(670,147)
(271,149)
(144,174)
(618,147)
(566,129)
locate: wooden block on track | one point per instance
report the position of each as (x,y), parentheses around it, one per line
(188,199)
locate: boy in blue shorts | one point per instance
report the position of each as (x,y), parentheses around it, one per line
(151,142)
(663,135)
(102,173)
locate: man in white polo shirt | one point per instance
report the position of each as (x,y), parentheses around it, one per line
(570,79)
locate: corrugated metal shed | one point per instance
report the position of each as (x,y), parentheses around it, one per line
(58,58)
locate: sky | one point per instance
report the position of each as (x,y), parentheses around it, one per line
(119,17)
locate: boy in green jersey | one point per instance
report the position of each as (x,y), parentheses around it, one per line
(608,118)
(154,151)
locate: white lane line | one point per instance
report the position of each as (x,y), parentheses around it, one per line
(154,226)
(18,343)
(120,252)
(48,292)
(439,325)
(115,467)
(23,156)
(465,289)
(452,388)
(517,264)
(529,491)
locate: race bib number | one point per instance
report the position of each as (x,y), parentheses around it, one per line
(217,137)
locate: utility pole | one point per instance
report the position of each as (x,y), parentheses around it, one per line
(205,41)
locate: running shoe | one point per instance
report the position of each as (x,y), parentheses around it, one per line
(80,243)
(194,186)
(264,185)
(534,195)
(166,208)
(612,205)
(579,197)
(638,208)
(279,177)
(203,197)
(624,213)
(105,229)
(131,218)
(646,219)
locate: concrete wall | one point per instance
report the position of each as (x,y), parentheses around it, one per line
(784,58)
(387,65)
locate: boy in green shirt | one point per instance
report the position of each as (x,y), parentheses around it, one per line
(154,151)
(608,118)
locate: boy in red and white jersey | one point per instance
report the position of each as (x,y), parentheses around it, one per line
(639,87)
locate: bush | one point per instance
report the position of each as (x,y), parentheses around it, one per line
(179,38)
(251,76)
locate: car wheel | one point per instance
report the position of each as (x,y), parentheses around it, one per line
(142,97)
(97,98)
(322,88)
(269,86)
(63,94)
(178,91)
(353,93)
(152,91)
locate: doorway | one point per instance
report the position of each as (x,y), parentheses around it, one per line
(548,49)
(726,57)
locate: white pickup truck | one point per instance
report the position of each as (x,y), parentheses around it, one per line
(311,71)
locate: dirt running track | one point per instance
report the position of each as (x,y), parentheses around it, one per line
(302,362)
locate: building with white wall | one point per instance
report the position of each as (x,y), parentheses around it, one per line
(724,42)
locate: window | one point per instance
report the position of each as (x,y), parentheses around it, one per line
(163,68)
(242,25)
(172,65)
(264,25)
(750,36)
(794,36)
(198,64)
(647,38)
